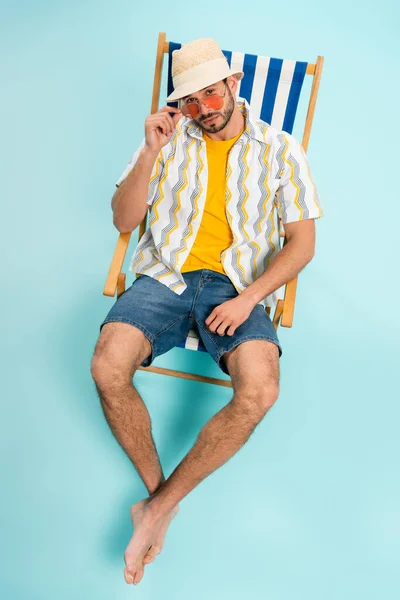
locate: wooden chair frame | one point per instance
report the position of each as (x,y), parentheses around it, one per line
(115,282)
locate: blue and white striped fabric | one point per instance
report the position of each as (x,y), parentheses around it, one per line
(272,87)
(192,342)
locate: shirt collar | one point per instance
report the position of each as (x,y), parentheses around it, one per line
(251,130)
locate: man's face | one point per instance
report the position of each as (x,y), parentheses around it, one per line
(213,121)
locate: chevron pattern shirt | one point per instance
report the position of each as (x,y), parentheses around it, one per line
(268,179)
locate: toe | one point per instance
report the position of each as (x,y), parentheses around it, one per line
(148,558)
(129,574)
(139,575)
(151,554)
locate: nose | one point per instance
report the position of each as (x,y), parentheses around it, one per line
(204,110)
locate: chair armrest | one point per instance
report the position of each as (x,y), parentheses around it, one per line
(288,305)
(289,297)
(116,264)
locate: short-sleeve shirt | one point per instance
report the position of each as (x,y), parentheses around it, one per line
(268,179)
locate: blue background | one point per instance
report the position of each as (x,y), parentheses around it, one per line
(309,508)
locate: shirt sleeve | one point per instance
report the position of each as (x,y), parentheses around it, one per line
(155,176)
(297,194)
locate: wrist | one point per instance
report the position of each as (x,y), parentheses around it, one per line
(250,296)
(148,153)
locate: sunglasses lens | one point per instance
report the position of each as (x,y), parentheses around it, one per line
(190,110)
(214,102)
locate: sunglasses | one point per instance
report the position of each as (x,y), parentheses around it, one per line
(212,101)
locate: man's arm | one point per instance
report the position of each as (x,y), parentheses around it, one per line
(130,201)
(300,205)
(287,263)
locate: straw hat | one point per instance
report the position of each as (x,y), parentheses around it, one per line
(197,65)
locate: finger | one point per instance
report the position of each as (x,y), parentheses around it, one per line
(231,330)
(210,319)
(172,121)
(169,121)
(159,118)
(170,109)
(221,329)
(163,122)
(215,324)
(176,118)
(213,315)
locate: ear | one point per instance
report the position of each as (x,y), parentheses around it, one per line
(232,83)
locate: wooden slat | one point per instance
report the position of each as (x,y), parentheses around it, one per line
(116,264)
(289,300)
(191,376)
(313,101)
(158,72)
(121,284)
(155,101)
(291,286)
(278,314)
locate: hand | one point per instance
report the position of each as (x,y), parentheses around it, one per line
(230,314)
(159,128)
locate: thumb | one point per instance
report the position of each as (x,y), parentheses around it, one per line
(176,117)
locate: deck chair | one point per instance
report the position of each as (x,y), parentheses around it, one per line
(272,87)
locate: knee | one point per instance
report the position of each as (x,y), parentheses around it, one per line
(258,399)
(119,351)
(99,369)
(104,372)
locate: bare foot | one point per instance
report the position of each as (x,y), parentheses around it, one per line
(158,543)
(146,526)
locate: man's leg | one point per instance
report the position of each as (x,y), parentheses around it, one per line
(254,370)
(121,348)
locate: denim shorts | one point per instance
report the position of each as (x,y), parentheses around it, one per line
(166,318)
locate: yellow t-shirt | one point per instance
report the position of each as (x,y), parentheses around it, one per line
(214,234)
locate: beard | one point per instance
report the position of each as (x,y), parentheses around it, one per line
(226,115)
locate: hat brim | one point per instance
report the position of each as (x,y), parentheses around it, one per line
(191,87)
